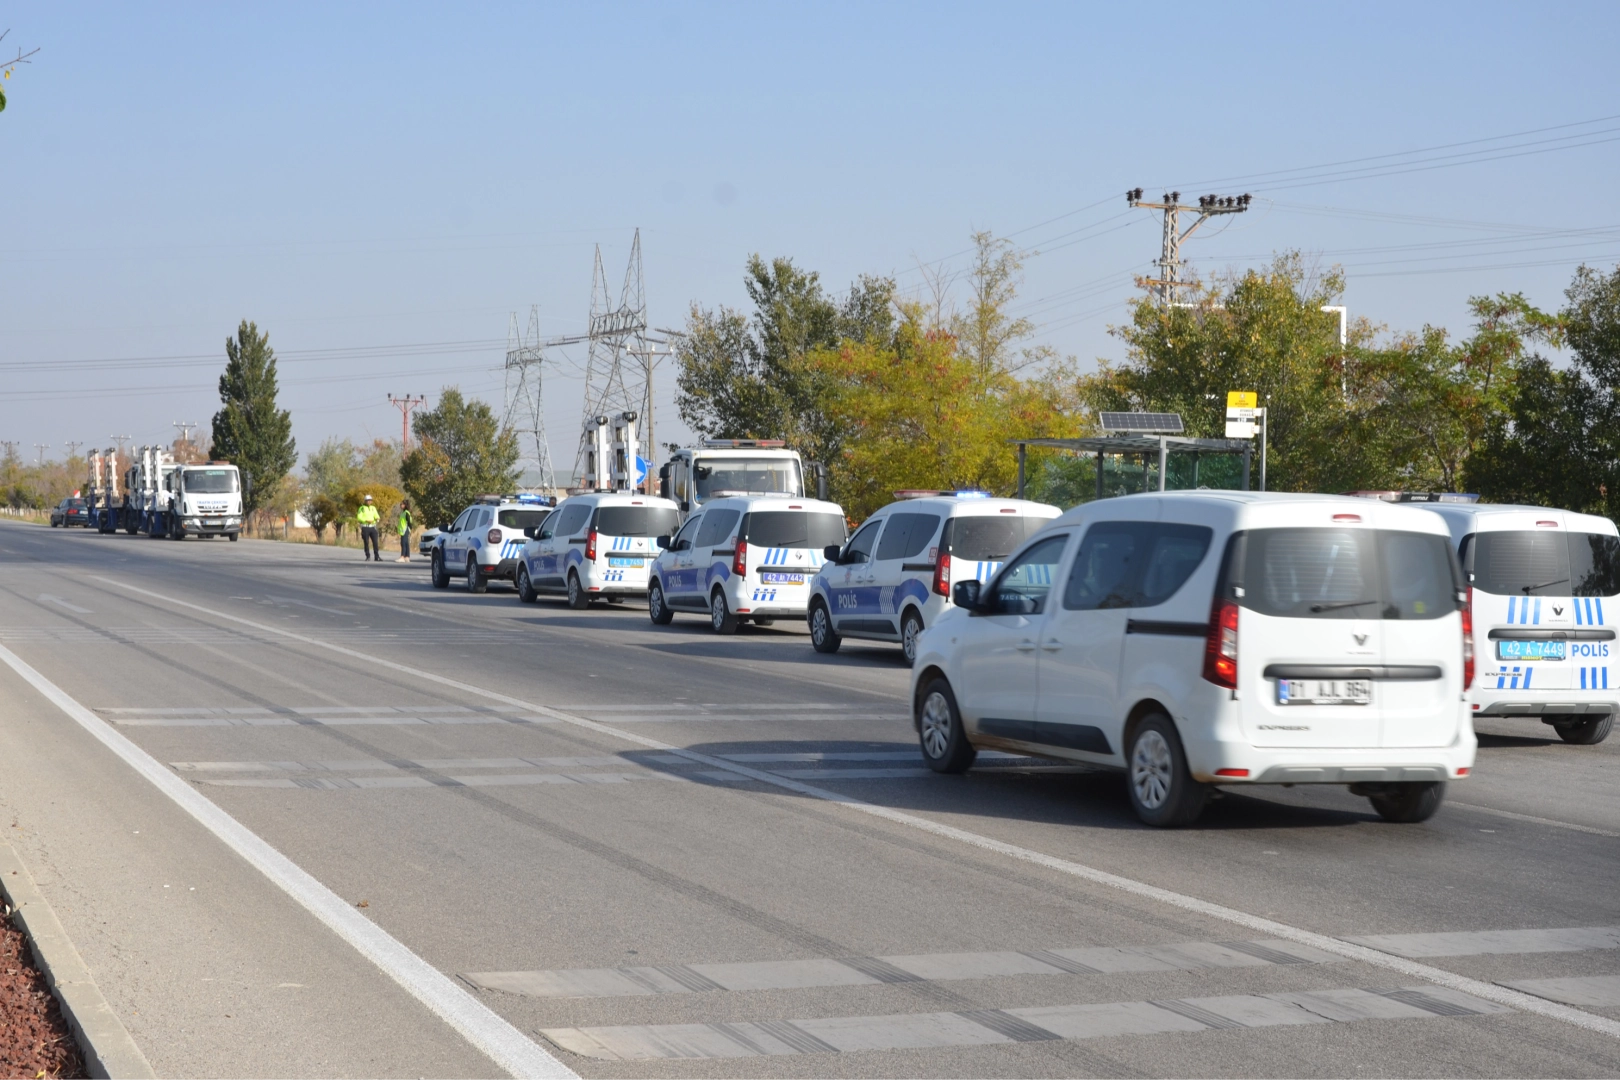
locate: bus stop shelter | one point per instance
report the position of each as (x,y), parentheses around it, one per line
(1146,446)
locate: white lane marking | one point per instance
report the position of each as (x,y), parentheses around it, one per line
(307,710)
(1495,942)
(1269,927)
(47,598)
(336,783)
(376,764)
(981,1027)
(1530,819)
(272,720)
(504,1044)
(931,967)
(1602,991)
(306,603)
(909,754)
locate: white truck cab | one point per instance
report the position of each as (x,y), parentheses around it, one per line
(1544,589)
(722,467)
(596,546)
(893,579)
(204,500)
(742,558)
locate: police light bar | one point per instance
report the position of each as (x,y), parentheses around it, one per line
(919,493)
(743,444)
(538,500)
(972,494)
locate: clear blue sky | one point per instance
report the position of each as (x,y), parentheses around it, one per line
(354,177)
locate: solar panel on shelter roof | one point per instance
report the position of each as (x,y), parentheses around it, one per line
(1143,423)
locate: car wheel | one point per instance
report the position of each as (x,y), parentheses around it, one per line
(944,741)
(234,537)
(1408,803)
(578,598)
(525,587)
(476,581)
(1163,793)
(657,610)
(822,635)
(441,576)
(720,616)
(911,628)
(1587,732)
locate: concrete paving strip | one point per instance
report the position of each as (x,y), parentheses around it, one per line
(504,1044)
(1600,991)
(1531,819)
(871,971)
(1495,942)
(1258,924)
(108,1049)
(981,1027)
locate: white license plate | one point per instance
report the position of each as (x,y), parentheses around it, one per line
(782,579)
(612,561)
(213,521)
(1324,692)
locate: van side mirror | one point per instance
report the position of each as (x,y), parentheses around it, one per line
(831,552)
(965,595)
(532,531)
(686,506)
(663,541)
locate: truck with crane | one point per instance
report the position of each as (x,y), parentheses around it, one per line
(164,497)
(722,467)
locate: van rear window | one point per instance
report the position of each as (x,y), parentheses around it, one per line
(987,538)
(637,520)
(794,528)
(1526,562)
(1343,574)
(522,519)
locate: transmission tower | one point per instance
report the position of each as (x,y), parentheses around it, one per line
(525,401)
(1169,262)
(618,338)
(73,447)
(406,405)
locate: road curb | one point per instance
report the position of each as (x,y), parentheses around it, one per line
(108,1049)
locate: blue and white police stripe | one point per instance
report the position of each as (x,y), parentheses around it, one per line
(512,549)
(775,557)
(1529,614)
(1592,678)
(1592,615)
(1503,678)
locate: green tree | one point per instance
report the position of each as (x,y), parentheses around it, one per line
(250,431)
(461,452)
(322,511)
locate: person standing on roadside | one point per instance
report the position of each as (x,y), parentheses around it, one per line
(404,531)
(367,517)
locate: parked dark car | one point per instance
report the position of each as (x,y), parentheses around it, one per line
(70,512)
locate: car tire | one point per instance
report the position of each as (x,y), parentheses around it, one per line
(1162,790)
(441,576)
(476,581)
(578,598)
(911,628)
(525,587)
(822,635)
(657,610)
(940,732)
(720,617)
(234,537)
(1587,732)
(1409,803)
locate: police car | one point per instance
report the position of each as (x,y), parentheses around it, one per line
(595,547)
(486,540)
(1544,596)
(744,557)
(894,577)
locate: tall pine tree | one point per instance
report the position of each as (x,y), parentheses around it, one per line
(250,431)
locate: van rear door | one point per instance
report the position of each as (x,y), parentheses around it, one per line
(1520,575)
(1422,636)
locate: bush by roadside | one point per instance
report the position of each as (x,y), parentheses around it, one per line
(35,1040)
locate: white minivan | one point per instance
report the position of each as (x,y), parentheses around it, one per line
(1543,585)
(893,578)
(744,557)
(1202,638)
(595,547)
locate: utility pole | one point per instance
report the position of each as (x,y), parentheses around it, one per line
(10,445)
(42,447)
(1169,262)
(185,427)
(121,440)
(73,448)
(406,405)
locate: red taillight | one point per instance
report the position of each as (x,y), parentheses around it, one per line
(590,545)
(739,561)
(1463,771)
(1468,642)
(494,536)
(942,575)
(1220,648)
(1231,772)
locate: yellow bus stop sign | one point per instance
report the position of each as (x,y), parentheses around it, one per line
(1242,399)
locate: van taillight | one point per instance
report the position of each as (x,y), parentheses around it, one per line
(494,536)
(1468,642)
(739,561)
(1220,648)
(942,575)
(590,545)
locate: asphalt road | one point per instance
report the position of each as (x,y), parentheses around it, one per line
(656,852)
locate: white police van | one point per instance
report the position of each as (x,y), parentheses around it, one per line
(596,547)
(486,540)
(894,577)
(1197,638)
(744,557)
(1544,588)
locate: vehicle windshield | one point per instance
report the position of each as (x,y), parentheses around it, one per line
(1343,574)
(1543,562)
(794,529)
(987,538)
(747,476)
(637,520)
(210,481)
(522,519)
